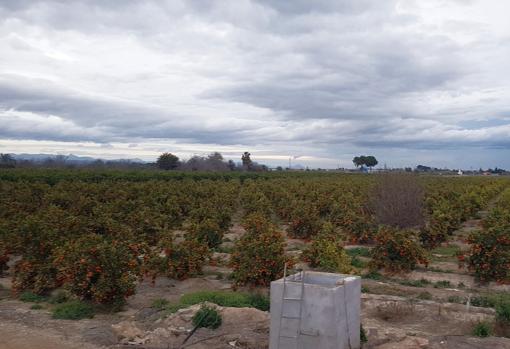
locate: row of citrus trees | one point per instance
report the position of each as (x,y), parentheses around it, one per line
(489,254)
(330,213)
(98,239)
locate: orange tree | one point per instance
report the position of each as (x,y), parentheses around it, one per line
(259,255)
(396,251)
(489,253)
(37,239)
(98,269)
(305,221)
(326,251)
(178,260)
(207,232)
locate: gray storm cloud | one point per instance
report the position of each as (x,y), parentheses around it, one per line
(325,79)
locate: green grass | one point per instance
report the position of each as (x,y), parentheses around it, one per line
(74,310)
(414,283)
(227,299)
(424,296)
(373,275)
(445,252)
(31,297)
(358,252)
(358,263)
(160,303)
(442,284)
(36,306)
(456,299)
(224,299)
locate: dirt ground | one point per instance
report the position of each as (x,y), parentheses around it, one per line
(394,315)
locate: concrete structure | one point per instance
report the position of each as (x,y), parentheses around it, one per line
(312,310)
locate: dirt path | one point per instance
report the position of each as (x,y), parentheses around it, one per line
(18,336)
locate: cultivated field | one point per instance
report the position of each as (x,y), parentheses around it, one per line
(132,255)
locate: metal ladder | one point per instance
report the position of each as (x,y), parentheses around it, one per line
(285,300)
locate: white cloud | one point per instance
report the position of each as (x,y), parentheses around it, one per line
(327,79)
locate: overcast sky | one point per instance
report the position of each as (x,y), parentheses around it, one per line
(411,82)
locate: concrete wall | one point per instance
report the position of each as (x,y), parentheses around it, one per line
(330,314)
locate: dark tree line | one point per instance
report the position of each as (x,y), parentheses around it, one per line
(211,162)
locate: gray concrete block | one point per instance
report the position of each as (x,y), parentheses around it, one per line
(329,317)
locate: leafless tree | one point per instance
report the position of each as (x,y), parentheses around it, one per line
(398,200)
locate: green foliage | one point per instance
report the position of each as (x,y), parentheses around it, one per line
(396,251)
(482,329)
(227,299)
(207,317)
(327,253)
(160,303)
(362,334)
(415,283)
(442,284)
(74,310)
(207,232)
(305,221)
(503,312)
(358,263)
(259,255)
(426,296)
(358,252)
(373,275)
(28,296)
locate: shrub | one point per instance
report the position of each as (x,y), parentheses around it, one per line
(482,329)
(207,317)
(326,252)
(489,255)
(396,251)
(75,310)
(259,255)
(97,269)
(59,297)
(503,312)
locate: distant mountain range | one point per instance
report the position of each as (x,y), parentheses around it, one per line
(68,158)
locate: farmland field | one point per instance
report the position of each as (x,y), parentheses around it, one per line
(434,252)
